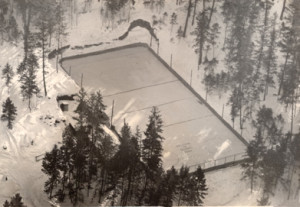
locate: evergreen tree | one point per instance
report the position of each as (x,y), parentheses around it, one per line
(213,35)
(273,165)
(295,147)
(66,165)
(288,45)
(9,31)
(3,12)
(80,161)
(7,74)
(9,112)
(152,144)
(95,112)
(255,152)
(27,11)
(169,186)
(152,153)
(201,33)
(60,29)
(179,33)
(16,201)
(50,167)
(196,189)
(29,62)
(6,204)
(239,60)
(81,108)
(28,80)
(270,61)
(12,29)
(269,125)
(183,177)
(173,21)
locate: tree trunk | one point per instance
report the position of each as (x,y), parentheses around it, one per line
(202,39)
(43,56)
(143,192)
(282,11)
(225,36)
(103,180)
(241,106)
(282,74)
(187,18)
(211,12)
(194,13)
(26,16)
(292,116)
(262,39)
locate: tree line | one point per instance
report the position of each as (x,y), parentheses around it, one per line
(91,167)
(251,43)
(271,154)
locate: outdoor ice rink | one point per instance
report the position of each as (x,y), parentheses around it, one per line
(136,80)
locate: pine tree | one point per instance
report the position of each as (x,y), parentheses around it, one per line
(81,108)
(179,33)
(196,189)
(152,152)
(6,204)
(295,146)
(60,29)
(213,35)
(201,32)
(67,150)
(7,74)
(273,165)
(30,62)
(169,186)
(239,61)
(95,112)
(12,29)
(80,162)
(183,177)
(9,112)
(255,152)
(288,46)
(27,10)
(50,167)
(41,39)
(173,21)
(16,201)
(152,144)
(270,61)
(8,25)
(269,125)
(28,80)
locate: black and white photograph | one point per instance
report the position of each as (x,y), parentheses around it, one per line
(149,103)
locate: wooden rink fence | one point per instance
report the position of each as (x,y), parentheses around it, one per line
(220,163)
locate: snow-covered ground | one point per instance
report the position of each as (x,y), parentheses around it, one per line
(33,133)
